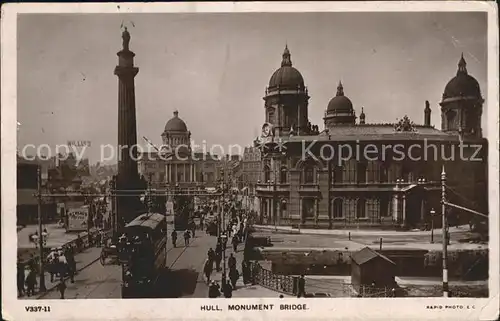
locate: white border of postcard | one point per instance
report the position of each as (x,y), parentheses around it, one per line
(318,308)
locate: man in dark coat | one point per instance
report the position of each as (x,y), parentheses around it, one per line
(245,270)
(234,276)
(227,290)
(213,290)
(31,282)
(301,287)
(20,279)
(231,262)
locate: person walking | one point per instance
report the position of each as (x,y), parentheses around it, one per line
(62,287)
(218,259)
(20,279)
(213,290)
(31,282)
(187,236)
(227,289)
(245,271)
(231,262)
(234,275)
(235,242)
(301,287)
(207,269)
(211,256)
(174,238)
(70,258)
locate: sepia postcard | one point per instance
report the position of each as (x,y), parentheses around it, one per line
(254,160)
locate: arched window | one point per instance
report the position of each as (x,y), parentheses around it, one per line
(361,169)
(338,211)
(283,175)
(361,208)
(308,173)
(267,174)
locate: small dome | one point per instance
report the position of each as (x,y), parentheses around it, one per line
(340,103)
(286,76)
(462,84)
(176,124)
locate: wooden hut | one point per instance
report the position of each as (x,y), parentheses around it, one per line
(371,270)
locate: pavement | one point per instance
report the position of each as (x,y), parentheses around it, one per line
(57,236)
(339,240)
(83,260)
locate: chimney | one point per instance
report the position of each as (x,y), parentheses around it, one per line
(427,114)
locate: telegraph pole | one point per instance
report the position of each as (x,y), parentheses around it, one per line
(445,234)
(40,231)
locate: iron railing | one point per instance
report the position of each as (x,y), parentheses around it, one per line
(277,282)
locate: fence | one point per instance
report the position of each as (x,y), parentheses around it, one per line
(277,282)
(368,291)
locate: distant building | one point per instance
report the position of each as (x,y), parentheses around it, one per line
(27,187)
(251,168)
(187,169)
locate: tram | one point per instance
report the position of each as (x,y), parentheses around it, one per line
(142,253)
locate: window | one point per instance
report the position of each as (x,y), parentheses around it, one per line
(267,174)
(271,117)
(361,169)
(384,207)
(338,208)
(308,174)
(383,173)
(350,171)
(338,173)
(361,208)
(283,174)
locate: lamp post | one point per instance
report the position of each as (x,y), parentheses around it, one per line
(40,230)
(433,212)
(445,233)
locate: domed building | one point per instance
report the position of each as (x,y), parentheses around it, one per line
(354,173)
(178,166)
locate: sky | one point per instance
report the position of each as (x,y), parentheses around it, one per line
(214,68)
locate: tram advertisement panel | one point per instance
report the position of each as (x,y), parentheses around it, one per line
(77,219)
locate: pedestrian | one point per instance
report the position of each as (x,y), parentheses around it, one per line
(187,236)
(235,242)
(207,269)
(211,256)
(227,289)
(31,282)
(234,275)
(213,290)
(245,271)
(71,263)
(231,262)
(281,296)
(301,287)
(62,287)
(20,279)
(218,259)
(174,238)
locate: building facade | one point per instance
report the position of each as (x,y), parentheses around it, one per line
(185,168)
(251,168)
(357,174)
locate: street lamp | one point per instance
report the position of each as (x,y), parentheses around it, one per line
(40,231)
(433,212)
(223,240)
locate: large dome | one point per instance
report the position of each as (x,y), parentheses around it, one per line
(339,103)
(176,124)
(286,76)
(462,84)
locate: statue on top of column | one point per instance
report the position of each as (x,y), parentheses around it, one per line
(126,39)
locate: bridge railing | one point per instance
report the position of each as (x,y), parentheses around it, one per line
(277,282)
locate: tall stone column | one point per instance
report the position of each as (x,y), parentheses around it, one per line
(128,203)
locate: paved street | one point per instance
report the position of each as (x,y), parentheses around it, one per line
(184,278)
(57,236)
